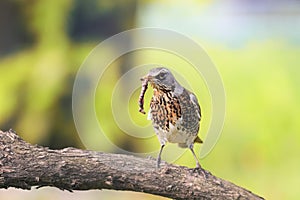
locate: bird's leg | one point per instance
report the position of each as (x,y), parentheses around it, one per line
(195,157)
(198,166)
(159,155)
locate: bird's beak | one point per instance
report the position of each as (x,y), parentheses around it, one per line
(147,77)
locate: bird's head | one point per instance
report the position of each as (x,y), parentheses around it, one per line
(161,78)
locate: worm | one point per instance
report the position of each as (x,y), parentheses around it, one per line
(142,94)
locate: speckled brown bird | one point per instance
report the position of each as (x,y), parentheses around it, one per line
(174,111)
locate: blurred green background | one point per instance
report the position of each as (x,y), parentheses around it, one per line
(254,44)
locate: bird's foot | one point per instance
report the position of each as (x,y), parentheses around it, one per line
(199,170)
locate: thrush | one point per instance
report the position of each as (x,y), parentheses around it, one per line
(174,111)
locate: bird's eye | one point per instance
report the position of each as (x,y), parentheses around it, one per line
(162,76)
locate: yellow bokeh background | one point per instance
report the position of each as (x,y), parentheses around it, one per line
(254,45)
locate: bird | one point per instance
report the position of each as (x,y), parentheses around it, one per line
(174,111)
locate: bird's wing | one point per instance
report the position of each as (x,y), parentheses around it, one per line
(196,105)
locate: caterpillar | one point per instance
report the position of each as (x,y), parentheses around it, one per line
(142,94)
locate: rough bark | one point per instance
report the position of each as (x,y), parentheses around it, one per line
(23,165)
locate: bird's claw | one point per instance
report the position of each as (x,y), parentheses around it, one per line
(199,170)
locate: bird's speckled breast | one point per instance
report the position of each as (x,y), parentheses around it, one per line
(173,117)
(165,110)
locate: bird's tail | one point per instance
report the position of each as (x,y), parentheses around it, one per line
(198,140)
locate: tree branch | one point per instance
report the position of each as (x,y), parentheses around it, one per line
(23,165)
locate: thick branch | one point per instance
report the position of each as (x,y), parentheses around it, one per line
(23,165)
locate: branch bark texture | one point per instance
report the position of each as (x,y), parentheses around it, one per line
(23,165)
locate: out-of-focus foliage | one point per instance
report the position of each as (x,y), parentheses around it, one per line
(37,77)
(262,118)
(43,43)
